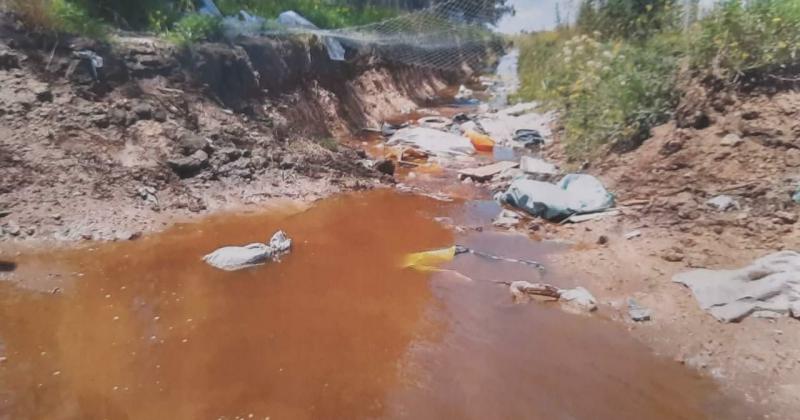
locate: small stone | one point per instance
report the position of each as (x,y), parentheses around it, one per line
(786,217)
(718,230)
(633,234)
(187,166)
(189,143)
(723,203)
(118,117)
(12,228)
(142,110)
(731,140)
(638,313)
(44,94)
(160,115)
(602,240)
(127,235)
(672,255)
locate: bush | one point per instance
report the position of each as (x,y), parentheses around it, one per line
(608,93)
(323,13)
(612,87)
(193,28)
(58,16)
(737,38)
(628,18)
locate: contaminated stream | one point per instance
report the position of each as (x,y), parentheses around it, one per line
(337,329)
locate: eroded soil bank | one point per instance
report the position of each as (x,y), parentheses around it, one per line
(158,134)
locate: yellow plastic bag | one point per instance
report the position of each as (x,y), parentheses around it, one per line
(429,260)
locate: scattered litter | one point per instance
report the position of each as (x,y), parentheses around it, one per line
(481,142)
(290,18)
(638,313)
(580,218)
(419,191)
(770,286)
(528,138)
(208,7)
(506,219)
(723,203)
(461,118)
(578,296)
(487,172)
(574,194)
(796,195)
(232,258)
(435,122)
(428,260)
(464,95)
(521,108)
(536,166)
(504,124)
(388,129)
(633,234)
(95,61)
(522,289)
(433,142)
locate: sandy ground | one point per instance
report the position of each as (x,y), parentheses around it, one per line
(667,182)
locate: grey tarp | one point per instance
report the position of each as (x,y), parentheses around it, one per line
(432,142)
(290,18)
(574,194)
(770,286)
(231,258)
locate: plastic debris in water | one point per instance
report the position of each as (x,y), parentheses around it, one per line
(430,260)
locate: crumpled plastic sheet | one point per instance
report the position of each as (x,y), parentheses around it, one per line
(574,194)
(769,287)
(432,142)
(231,258)
(290,18)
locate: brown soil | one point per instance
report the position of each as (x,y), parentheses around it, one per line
(161,134)
(666,183)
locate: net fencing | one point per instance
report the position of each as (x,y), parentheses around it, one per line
(446,36)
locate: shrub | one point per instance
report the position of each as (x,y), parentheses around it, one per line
(737,38)
(58,16)
(608,92)
(323,13)
(195,27)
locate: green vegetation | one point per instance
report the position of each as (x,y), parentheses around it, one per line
(58,16)
(323,13)
(613,74)
(194,27)
(177,19)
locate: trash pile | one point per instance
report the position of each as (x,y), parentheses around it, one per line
(435,136)
(231,258)
(769,287)
(431,260)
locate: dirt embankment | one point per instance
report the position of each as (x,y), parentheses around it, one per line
(153,133)
(745,145)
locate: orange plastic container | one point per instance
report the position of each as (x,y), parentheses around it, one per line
(481,142)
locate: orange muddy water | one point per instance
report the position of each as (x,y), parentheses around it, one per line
(336,330)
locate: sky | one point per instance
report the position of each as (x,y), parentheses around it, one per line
(535,15)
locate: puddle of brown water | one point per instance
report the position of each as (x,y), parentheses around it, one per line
(335,330)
